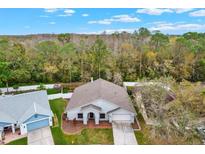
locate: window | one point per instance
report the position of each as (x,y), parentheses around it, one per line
(80,115)
(102,115)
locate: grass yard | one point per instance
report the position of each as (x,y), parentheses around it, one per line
(142,136)
(56,91)
(87,136)
(22,141)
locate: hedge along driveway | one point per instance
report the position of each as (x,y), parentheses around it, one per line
(87,136)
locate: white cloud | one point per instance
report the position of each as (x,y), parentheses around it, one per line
(180,26)
(103,22)
(50,10)
(67,12)
(125,18)
(85,15)
(52,23)
(155,11)
(182,10)
(198,13)
(117,18)
(111,31)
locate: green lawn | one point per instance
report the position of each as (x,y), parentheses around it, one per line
(87,136)
(22,141)
(56,91)
(142,136)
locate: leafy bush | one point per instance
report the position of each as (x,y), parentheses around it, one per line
(16,87)
(41,87)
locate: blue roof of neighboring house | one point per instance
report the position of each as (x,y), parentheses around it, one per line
(19,108)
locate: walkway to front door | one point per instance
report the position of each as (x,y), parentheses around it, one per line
(123,133)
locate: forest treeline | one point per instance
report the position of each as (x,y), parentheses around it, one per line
(142,54)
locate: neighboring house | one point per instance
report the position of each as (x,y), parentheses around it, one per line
(143,108)
(27,112)
(100,100)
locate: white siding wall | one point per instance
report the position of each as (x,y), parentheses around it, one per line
(23,129)
(105,107)
(122,112)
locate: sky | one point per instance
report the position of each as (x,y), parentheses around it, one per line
(96,21)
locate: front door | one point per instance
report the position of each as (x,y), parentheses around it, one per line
(91,115)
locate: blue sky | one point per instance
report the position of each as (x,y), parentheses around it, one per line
(89,21)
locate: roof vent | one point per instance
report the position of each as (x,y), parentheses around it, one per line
(34,105)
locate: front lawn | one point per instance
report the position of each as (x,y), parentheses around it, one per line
(87,136)
(22,141)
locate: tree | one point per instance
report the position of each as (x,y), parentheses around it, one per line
(117,79)
(49,57)
(5,73)
(64,38)
(99,54)
(183,60)
(141,39)
(199,67)
(69,63)
(159,40)
(187,108)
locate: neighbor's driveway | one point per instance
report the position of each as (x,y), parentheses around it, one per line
(123,133)
(41,136)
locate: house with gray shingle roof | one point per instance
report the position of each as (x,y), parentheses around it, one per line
(27,112)
(100,100)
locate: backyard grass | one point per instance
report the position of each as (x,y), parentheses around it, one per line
(22,141)
(56,91)
(87,136)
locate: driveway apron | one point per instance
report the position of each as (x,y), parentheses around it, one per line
(40,136)
(123,133)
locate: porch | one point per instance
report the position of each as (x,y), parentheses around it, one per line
(74,126)
(10,136)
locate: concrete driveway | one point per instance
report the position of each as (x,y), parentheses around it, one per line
(41,136)
(123,133)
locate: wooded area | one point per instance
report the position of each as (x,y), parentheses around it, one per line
(116,57)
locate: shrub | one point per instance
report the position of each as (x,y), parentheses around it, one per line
(16,87)
(41,87)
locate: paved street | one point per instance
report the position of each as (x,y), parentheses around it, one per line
(123,133)
(41,136)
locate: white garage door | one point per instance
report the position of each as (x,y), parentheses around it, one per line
(121,117)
